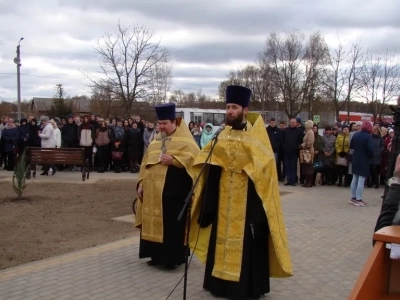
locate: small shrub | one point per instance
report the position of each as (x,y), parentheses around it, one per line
(19,177)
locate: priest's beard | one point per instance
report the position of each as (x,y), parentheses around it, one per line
(234,122)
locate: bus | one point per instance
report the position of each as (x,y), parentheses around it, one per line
(199,115)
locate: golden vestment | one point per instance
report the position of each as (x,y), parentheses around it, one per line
(242,155)
(152,176)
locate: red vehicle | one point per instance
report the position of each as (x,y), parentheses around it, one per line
(354,117)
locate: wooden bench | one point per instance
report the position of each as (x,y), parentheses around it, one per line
(57,156)
(380,278)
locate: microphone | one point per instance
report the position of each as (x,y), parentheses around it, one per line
(216,134)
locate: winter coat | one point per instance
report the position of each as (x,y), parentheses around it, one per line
(69,134)
(318,144)
(197,136)
(275,137)
(9,138)
(153,136)
(342,145)
(329,143)
(361,143)
(86,135)
(33,138)
(57,137)
(292,139)
(47,136)
(206,136)
(390,207)
(308,140)
(328,146)
(378,145)
(23,133)
(135,142)
(146,137)
(103,138)
(118,134)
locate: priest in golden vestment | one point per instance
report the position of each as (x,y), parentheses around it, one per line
(237,227)
(164,181)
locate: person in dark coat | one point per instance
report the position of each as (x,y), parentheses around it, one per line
(102,142)
(376,160)
(33,130)
(117,146)
(390,212)
(135,147)
(95,124)
(69,133)
(275,138)
(292,138)
(318,153)
(363,151)
(9,139)
(23,133)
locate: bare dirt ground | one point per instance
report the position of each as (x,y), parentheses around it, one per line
(56,218)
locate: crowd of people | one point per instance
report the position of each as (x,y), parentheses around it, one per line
(344,155)
(114,144)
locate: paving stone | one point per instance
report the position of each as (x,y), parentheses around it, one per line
(329,240)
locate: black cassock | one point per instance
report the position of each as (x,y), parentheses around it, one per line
(172,250)
(254,277)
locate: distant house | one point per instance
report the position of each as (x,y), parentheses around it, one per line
(41,106)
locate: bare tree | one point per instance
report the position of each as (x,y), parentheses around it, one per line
(371,82)
(342,75)
(161,81)
(296,67)
(390,80)
(178,97)
(130,62)
(315,60)
(255,77)
(102,100)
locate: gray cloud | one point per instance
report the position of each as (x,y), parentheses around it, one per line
(214,53)
(60,35)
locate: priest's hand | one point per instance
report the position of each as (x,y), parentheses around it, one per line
(140,192)
(166,159)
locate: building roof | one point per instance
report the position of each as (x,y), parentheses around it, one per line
(81,104)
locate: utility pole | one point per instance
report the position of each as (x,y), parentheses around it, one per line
(17,61)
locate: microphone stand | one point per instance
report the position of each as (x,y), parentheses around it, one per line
(188,207)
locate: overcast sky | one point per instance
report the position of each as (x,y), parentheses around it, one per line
(207,38)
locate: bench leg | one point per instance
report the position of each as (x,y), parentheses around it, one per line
(28,172)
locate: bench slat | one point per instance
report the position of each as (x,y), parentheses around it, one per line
(65,156)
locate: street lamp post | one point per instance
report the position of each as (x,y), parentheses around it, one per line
(17,61)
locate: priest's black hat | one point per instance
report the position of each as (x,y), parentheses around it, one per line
(238,95)
(165,111)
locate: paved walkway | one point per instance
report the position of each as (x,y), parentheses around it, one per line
(330,241)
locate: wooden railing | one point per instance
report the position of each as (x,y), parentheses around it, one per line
(380,278)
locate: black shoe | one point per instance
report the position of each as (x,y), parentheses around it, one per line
(44,173)
(54,171)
